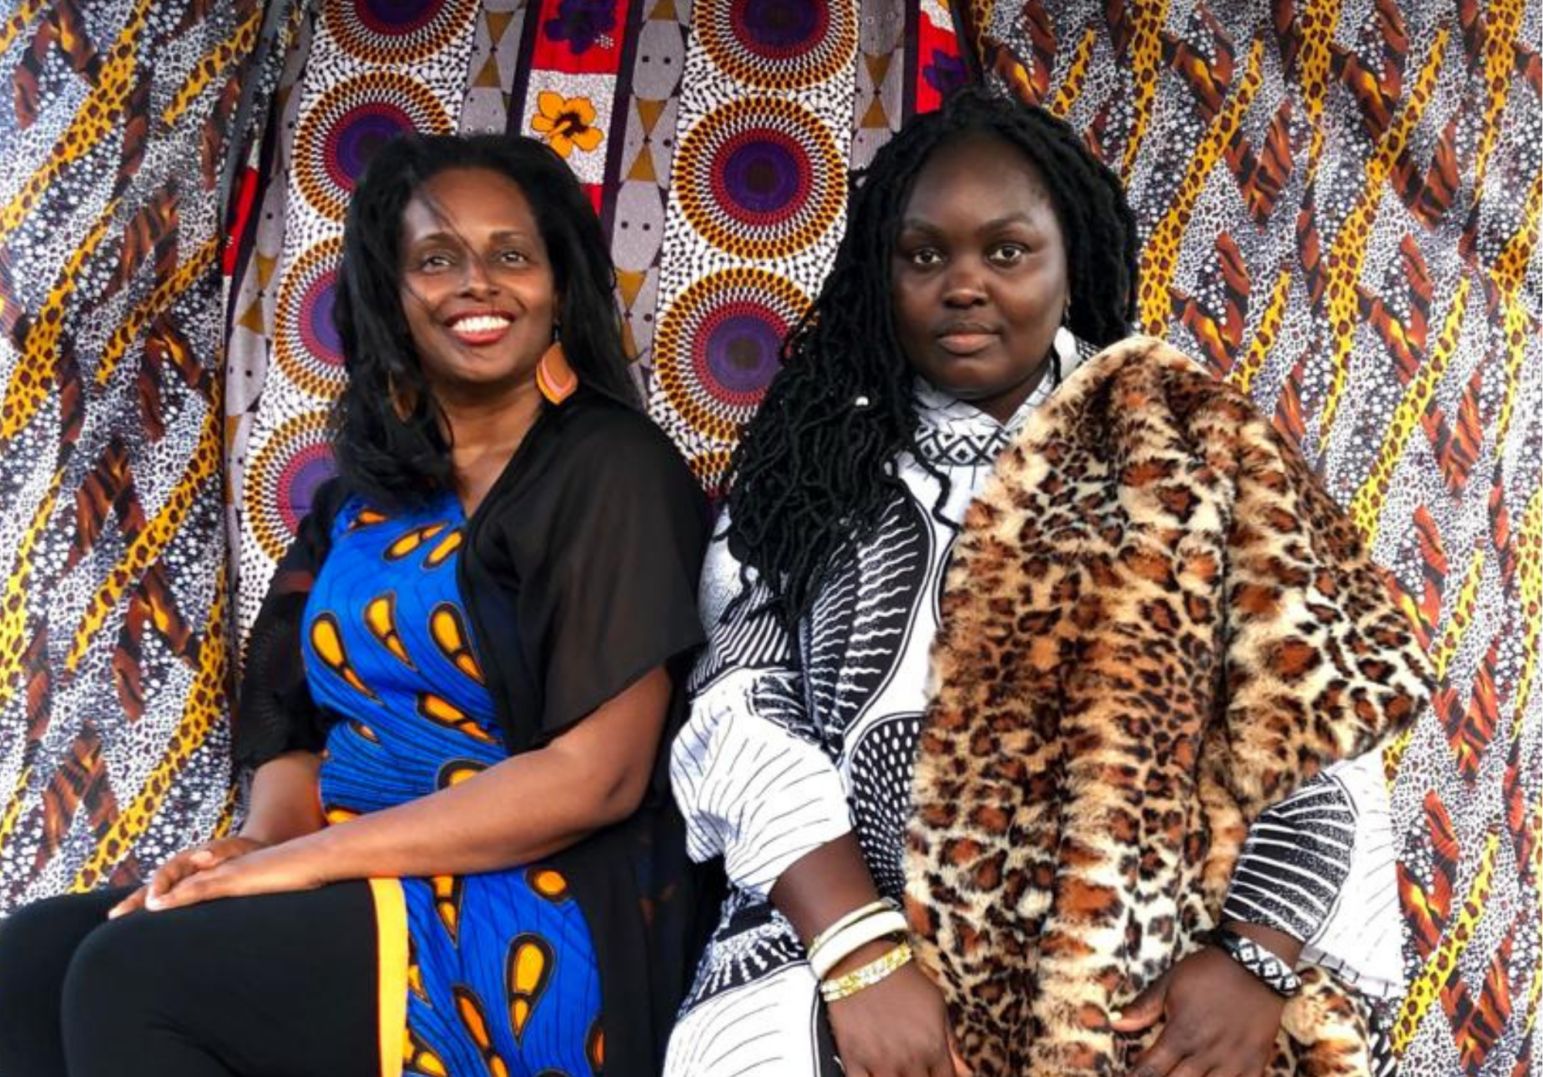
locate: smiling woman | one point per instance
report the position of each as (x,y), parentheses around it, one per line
(460,855)
(481,303)
(478,291)
(521,233)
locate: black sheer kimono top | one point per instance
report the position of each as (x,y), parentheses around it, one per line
(579,573)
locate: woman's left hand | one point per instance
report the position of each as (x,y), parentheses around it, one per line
(1220,1019)
(278,869)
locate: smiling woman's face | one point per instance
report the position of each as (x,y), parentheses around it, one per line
(477,287)
(980,276)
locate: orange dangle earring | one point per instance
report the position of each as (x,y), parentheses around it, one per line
(554,377)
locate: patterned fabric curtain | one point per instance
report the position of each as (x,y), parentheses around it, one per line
(114,644)
(1339,205)
(136,388)
(1340,209)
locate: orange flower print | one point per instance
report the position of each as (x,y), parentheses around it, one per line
(565,122)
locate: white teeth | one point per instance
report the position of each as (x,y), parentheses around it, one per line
(482,323)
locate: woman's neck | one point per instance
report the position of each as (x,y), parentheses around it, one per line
(485,432)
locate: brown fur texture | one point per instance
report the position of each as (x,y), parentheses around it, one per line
(1156,624)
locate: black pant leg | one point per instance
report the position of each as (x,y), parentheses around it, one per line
(282,985)
(36,946)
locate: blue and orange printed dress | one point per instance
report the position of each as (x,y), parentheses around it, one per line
(501,977)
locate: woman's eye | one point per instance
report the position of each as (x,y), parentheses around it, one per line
(513,258)
(435,260)
(1008,253)
(925,256)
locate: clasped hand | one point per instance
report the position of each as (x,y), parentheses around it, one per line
(1220,1020)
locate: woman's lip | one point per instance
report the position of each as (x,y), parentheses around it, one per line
(466,330)
(482,338)
(966,343)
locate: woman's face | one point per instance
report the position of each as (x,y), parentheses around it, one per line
(979,274)
(477,287)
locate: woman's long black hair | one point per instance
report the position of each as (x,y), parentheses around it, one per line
(395,459)
(815,468)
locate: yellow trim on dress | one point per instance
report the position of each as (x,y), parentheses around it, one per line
(391,953)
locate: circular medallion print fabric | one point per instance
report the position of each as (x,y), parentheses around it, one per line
(354,119)
(711,469)
(284,477)
(306,346)
(780,44)
(396,31)
(760,178)
(718,346)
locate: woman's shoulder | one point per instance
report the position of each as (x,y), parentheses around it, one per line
(597,432)
(596,453)
(596,420)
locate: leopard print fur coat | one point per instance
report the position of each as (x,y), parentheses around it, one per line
(1156,623)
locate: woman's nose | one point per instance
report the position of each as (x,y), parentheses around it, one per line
(475,278)
(963,286)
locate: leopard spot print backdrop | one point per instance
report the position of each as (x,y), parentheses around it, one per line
(1340,210)
(114,653)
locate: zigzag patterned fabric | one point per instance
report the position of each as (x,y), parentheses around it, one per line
(114,654)
(1339,206)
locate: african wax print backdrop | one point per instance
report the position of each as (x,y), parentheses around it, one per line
(1339,206)
(714,139)
(114,643)
(113,637)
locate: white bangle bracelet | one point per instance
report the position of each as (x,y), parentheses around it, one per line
(862,912)
(847,940)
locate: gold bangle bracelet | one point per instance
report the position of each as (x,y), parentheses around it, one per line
(866,976)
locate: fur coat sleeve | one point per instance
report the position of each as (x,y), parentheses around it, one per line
(1156,624)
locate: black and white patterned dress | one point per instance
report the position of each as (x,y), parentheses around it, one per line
(795,739)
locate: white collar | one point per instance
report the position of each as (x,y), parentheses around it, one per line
(955,433)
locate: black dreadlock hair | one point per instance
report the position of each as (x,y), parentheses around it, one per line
(815,469)
(396,460)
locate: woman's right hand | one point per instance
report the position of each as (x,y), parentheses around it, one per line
(896,1028)
(188,862)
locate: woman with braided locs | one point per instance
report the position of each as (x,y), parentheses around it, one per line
(981,296)
(790,520)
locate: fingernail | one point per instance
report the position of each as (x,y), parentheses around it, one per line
(152,903)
